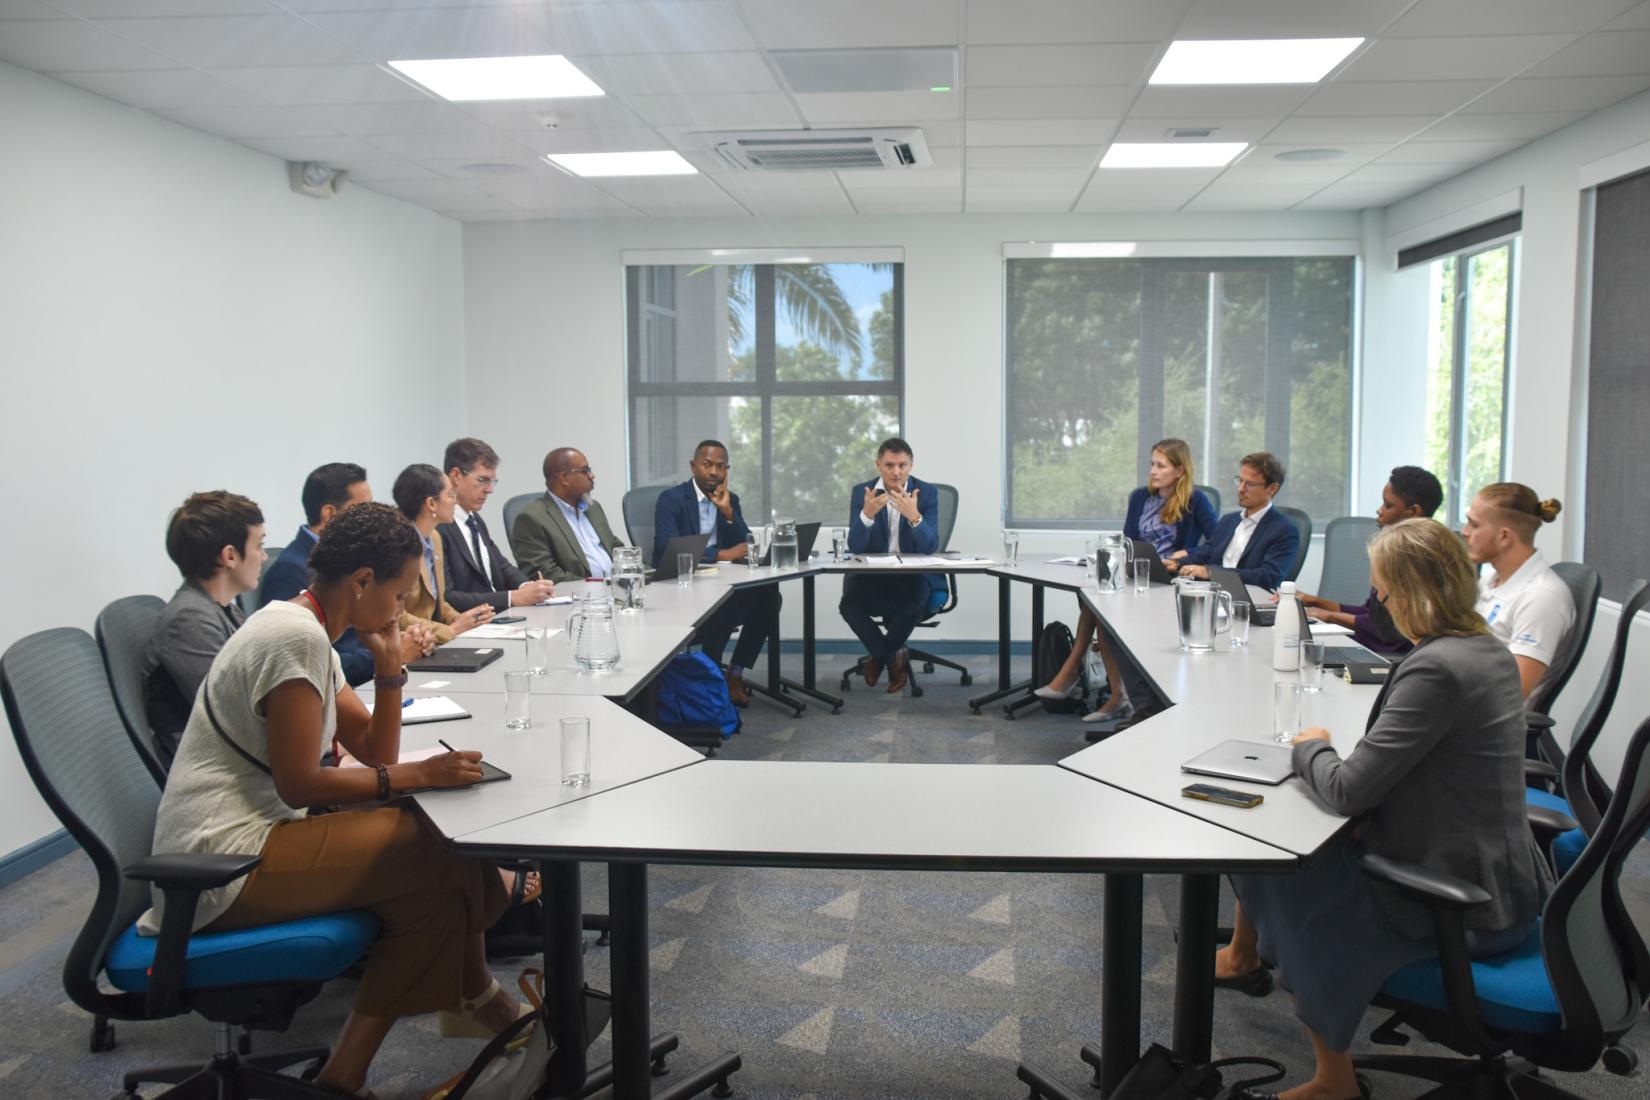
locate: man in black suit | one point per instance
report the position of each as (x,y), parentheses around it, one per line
(477,571)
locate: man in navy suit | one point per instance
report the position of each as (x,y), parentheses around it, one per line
(477,570)
(1256,541)
(705,505)
(894,514)
(329,490)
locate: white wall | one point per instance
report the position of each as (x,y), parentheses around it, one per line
(544,303)
(173,318)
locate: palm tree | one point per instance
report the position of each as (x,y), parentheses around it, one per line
(813,303)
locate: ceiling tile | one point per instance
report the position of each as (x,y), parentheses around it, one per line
(1355,197)
(1333,131)
(1415,175)
(621,140)
(996,22)
(596,205)
(220,41)
(1611,53)
(396,36)
(1411,97)
(1447,152)
(678,73)
(1288,18)
(94,9)
(716,112)
(1147,179)
(1251,196)
(386,5)
(161,88)
(1098,200)
(330,149)
(366,119)
(586,113)
(1136,128)
(1463,58)
(450,193)
(1033,156)
(1019,200)
(29,9)
(1356,153)
(476,145)
(1445,17)
(1000,178)
(941,200)
(248,122)
(810,25)
(1497,127)
(895,108)
(1269,171)
(804,193)
(1036,66)
(1052,131)
(663,26)
(900,179)
(1572,93)
(367,172)
(68,45)
(290,84)
(807,203)
(1085,101)
(1636,19)
(1176,101)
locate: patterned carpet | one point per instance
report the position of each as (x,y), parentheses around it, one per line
(831,984)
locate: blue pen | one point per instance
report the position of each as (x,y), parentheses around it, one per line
(407,702)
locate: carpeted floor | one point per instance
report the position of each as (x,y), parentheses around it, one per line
(831,984)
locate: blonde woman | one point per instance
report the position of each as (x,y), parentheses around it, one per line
(1437,780)
(1525,603)
(1168,513)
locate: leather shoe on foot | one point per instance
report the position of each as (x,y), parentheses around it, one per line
(873,671)
(899,672)
(738,692)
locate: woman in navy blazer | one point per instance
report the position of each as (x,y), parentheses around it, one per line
(1168,513)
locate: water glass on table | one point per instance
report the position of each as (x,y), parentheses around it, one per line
(684,569)
(1240,624)
(753,550)
(1286,710)
(518,700)
(1311,665)
(575,751)
(1142,567)
(839,543)
(1011,548)
(538,650)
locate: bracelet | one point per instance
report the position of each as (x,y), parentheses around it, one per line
(388,683)
(383,782)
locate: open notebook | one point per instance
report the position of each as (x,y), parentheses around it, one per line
(427,708)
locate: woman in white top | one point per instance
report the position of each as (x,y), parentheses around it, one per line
(1526,604)
(249,769)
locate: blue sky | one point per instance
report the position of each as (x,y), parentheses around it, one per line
(862,286)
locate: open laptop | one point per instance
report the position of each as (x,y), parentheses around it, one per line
(1337,656)
(1160,572)
(456,659)
(1248,761)
(681,544)
(806,534)
(1262,611)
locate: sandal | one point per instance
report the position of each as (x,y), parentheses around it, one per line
(1365,1091)
(462,1024)
(527,887)
(531,983)
(1256,983)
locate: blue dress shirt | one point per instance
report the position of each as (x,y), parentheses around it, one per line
(601,562)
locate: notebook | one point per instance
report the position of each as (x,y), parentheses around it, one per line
(417,710)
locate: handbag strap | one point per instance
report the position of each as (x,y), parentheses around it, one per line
(206,697)
(1275,1072)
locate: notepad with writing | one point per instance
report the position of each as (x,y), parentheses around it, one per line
(427,708)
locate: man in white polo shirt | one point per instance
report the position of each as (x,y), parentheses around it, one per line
(1527,605)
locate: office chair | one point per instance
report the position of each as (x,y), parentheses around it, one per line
(1560,1000)
(1583,582)
(1212,493)
(1345,575)
(1303,525)
(947,519)
(512,509)
(1582,792)
(75,747)
(639,507)
(123,630)
(249,600)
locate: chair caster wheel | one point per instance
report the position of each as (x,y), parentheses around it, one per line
(722,1089)
(966,681)
(836,710)
(916,692)
(103,1036)
(243,1043)
(844,685)
(658,1068)
(928,667)
(604,940)
(1620,1060)
(312,1070)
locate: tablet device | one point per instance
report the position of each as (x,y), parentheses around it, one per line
(1248,761)
(490,773)
(681,544)
(456,659)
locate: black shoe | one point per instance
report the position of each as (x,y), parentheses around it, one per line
(1257,983)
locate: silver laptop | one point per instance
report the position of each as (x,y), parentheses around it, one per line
(1250,761)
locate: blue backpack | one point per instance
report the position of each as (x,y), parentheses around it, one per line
(693,692)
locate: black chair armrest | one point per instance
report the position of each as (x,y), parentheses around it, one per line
(1538,721)
(182,877)
(1431,888)
(1548,823)
(1540,769)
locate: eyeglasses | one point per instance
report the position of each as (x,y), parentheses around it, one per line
(1242,484)
(585,470)
(485,482)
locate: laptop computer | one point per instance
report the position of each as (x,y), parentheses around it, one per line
(806,534)
(1249,761)
(1160,572)
(1337,656)
(1261,612)
(681,544)
(456,659)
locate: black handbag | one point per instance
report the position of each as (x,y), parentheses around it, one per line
(1159,1075)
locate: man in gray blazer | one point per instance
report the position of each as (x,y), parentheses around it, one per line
(564,535)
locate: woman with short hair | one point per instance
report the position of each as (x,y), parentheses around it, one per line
(425,496)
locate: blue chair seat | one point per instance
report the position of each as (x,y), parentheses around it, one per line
(1566,846)
(1514,993)
(312,949)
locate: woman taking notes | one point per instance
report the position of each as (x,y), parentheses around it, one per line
(1437,780)
(248,771)
(425,495)
(1170,515)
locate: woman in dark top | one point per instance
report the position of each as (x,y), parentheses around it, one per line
(1436,780)
(1168,513)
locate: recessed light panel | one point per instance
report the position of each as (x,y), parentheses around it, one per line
(1161,154)
(1252,61)
(473,79)
(659,162)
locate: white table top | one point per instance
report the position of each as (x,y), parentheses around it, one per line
(888,563)
(915,816)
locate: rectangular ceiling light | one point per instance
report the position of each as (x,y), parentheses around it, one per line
(1252,61)
(660,162)
(1171,154)
(472,79)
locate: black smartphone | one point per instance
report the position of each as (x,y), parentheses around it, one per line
(508,619)
(1208,792)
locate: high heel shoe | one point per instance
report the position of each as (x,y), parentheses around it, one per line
(1075,691)
(462,1024)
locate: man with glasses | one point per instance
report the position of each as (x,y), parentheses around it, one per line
(1255,541)
(564,535)
(477,572)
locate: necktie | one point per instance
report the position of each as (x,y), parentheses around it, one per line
(481,557)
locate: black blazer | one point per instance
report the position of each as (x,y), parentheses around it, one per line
(468,584)
(677,513)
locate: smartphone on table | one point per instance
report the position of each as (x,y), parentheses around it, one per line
(1224,796)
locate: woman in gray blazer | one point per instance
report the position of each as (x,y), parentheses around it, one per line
(1437,780)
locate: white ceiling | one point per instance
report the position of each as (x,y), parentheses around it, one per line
(1044,86)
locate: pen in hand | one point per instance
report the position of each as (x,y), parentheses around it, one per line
(443,743)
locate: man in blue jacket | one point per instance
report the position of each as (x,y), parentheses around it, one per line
(1256,541)
(705,505)
(894,514)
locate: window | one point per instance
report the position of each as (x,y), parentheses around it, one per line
(1106,356)
(1470,310)
(797,367)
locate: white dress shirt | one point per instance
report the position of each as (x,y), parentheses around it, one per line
(1240,538)
(484,561)
(707,520)
(891,512)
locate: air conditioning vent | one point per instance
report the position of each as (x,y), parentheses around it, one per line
(820,150)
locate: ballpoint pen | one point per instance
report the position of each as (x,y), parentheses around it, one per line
(443,743)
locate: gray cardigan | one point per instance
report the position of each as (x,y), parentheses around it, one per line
(186,640)
(1438,780)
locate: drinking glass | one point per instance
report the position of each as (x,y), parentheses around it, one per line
(684,569)
(1311,665)
(518,700)
(1240,624)
(1286,710)
(1011,548)
(839,543)
(753,550)
(538,651)
(575,751)
(1091,547)
(1142,574)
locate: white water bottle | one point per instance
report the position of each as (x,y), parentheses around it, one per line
(1286,631)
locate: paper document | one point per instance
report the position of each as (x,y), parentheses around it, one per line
(428,708)
(555,601)
(1068,561)
(914,561)
(515,631)
(408,756)
(1329,629)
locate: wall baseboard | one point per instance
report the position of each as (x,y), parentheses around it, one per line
(32,857)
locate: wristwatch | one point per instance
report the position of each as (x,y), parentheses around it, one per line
(386,683)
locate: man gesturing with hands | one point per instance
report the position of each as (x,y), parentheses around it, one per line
(899,515)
